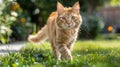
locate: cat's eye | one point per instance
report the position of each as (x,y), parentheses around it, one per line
(73,17)
(62,18)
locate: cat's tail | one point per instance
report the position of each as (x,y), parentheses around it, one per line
(40,37)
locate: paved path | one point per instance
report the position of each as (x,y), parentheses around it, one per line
(12,47)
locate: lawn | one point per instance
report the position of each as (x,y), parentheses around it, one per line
(90,53)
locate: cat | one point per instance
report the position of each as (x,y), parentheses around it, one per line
(61,29)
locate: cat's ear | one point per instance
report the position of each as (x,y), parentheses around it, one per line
(60,8)
(76,7)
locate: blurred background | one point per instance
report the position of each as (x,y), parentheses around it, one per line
(19,18)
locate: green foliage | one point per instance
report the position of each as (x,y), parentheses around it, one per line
(85,54)
(13,22)
(4,34)
(6,21)
(48,6)
(20,30)
(91,27)
(115,2)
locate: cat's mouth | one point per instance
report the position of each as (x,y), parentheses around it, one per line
(63,26)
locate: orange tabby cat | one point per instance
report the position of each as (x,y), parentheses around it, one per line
(61,30)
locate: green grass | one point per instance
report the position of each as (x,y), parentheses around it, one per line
(98,53)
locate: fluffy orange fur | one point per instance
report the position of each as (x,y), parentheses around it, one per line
(61,29)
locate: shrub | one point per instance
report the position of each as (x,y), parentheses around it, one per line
(5,31)
(14,22)
(91,27)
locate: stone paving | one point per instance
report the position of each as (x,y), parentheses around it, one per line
(12,47)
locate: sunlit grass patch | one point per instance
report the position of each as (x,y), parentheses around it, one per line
(90,53)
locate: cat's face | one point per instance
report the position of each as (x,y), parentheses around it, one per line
(68,18)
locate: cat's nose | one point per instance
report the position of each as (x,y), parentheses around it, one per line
(68,23)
